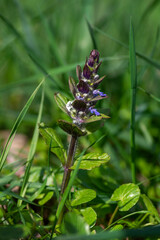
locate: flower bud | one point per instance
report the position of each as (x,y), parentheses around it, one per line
(95,54)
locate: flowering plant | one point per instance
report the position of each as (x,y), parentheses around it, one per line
(82,109)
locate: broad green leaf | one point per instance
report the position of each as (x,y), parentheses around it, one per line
(74,224)
(150,207)
(96,118)
(71,128)
(61,101)
(89,215)
(47,197)
(83,196)
(127,195)
(14,232)
(92,160)
(52,139)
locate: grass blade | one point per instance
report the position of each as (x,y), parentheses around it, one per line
(147,59)
(149,94)
(15,127)
(30,52)
(31,152)
(90,28)
(133,72)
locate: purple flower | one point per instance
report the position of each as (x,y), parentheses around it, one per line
(97,92)
(93,110)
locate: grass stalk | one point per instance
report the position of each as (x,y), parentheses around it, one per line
(133,72)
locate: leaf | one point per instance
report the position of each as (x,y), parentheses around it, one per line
(61,101)
(74,224)
(89,215)
(47,197)
(127,195)
(97,82)
(92,34)
(83,196)
(71,128)
(52,139)
(92,160)
(150,207)
(97,98)
(96,118)
(72,85)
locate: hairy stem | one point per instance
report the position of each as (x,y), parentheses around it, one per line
(67,171)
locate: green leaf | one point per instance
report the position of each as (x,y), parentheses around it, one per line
(52,139)
(71,128)
(74,224)
(96,118)
(14,232)
(92,160)
(150,207)
(127,195)
(83,196)
(61,101)
(47,197)
(89,215)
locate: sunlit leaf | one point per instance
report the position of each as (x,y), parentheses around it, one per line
(92,160)
(47,197)
(89,215)
(127,195)
(83,196)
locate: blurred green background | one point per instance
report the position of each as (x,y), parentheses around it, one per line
(49,38)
